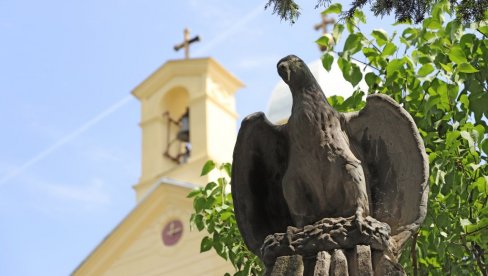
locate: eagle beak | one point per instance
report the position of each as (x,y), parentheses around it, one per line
(284,71)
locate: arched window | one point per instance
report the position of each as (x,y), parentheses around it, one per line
(176,118)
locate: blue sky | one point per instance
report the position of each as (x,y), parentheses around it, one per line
(70,142)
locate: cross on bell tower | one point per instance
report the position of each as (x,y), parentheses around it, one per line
(186,42)
(323,26)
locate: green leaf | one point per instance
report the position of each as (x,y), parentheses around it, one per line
(353,44)
(324,41)
(226,215)
(209,166)
(206,244)
(355,101)
(389,49)
(199,204)
(480,131)
(431,23)
(194,193)
(467,68)
(336,101)
(199,222)
(335,8)
(228,168)
(372,79)
(468,138)
(356,75)
(381,36)
(483,223)
(410,34)
(360,16)
(393,66)
(484,146)
(350,71)
(483,30)
(327,60)
(443,220)
(456,250)
(447,67)
(456,54)
(463,99)
(337,32)
(478,101)
(425,70)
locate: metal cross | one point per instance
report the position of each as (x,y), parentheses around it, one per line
(323,25)
(186,42)
(173,230)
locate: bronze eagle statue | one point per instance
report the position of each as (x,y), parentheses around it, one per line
(324,164)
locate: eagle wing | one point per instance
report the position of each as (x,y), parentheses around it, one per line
(260,161)
(391,149)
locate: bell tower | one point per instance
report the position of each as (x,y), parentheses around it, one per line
(188,116)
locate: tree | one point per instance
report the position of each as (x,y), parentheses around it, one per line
(438,71)
(467,10)
(214,212)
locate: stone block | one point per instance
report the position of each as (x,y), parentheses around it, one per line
(288,266)
(338,266)
(359,261)
(322,265)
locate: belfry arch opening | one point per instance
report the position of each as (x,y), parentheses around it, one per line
(176,118)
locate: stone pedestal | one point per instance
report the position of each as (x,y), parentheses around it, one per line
(339,262)
(332,246)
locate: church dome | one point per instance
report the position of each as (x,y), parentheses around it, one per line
(332,83)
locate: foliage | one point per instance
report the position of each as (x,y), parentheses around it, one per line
(405,11)
(286,9)
(438,71)
(214,211)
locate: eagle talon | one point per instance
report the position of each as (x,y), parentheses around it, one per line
(359,219)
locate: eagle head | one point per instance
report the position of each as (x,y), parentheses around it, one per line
(295,72)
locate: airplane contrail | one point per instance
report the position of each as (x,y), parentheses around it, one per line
(117,105)
(61,142)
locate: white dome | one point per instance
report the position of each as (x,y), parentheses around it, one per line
(332,83)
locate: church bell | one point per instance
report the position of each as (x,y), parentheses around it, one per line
(178,147)
(184,131)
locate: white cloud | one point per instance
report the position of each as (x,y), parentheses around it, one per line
(112,155)
(93,193)
(56,199)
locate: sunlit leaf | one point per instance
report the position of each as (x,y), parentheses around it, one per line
(353,44)
(456,54)
(335,8)
(209,166)
(327,60)
(467,68)
(389,49)
(425,70)
(381,36)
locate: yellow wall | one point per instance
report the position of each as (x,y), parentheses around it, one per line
(208,90)
(149,256)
